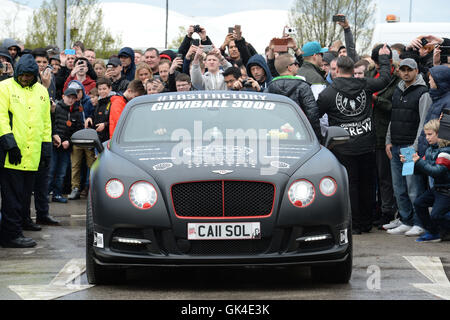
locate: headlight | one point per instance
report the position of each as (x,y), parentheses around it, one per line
(328,186)
(143,195)
(114,188)
(301,193)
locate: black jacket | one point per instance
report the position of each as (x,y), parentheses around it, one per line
(66,120)
(120,86)
(299,91)
(348,103)
(101,115)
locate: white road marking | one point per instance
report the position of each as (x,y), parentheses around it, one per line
(60,286)
(432,268)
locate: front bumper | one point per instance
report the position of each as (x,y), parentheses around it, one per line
(283,248)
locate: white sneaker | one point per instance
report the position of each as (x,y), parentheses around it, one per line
(415,231)
(393,224)
(399,230)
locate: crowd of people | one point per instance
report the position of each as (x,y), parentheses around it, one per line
(388,101)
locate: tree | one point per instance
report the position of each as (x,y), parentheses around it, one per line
(176,42)
(314,20)
(86,21)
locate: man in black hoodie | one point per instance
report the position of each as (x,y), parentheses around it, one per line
(348,103)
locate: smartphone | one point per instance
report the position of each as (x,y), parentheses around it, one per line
(179,55)
(230,29)
(207,48)
(156,77)
(196,42)
(280,44)
(69,52)
(338,18)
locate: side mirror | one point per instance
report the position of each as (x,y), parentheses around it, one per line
(336,136)
(87,138)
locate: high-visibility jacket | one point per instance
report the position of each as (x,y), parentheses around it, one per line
(24,117)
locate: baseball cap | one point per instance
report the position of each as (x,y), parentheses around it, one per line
(312,48)
(114,62)
(70,92)
(409,63)
(75,85)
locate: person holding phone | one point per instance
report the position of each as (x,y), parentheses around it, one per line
(213,79)
(67,59)
(349,48)
(114,73)
(6,68)
(80,73)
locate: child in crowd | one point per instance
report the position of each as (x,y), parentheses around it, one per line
(67,119)
(435,164)
(102,103)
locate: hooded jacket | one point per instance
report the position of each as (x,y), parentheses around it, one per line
(299,91)
(436,164)
(348,103)
(130,73)
(25,117)
(441,100)
(64,113)
(88,83)
(85,101)
(8,43)
(4,53)
(259,60)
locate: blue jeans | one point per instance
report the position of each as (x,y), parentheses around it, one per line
(439,219)
(58,168)
(406,189)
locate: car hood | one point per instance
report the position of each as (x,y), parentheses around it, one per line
(209,162)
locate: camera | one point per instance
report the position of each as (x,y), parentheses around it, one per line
(3,68)
(424,42)
(197,29)
(246,84)
(290,31)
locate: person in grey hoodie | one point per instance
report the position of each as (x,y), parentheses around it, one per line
(13,47)
(410,104)
(213,78)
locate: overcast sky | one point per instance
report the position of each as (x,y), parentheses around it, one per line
(423,11)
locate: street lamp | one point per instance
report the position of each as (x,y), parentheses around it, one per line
(167,21)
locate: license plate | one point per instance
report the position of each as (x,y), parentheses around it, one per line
(224,231)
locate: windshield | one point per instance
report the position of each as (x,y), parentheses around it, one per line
(208,119)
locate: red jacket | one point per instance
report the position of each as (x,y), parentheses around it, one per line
(118,103)
(88,83)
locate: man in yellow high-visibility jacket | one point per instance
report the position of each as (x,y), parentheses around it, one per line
(25,141)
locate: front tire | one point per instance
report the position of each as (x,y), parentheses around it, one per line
(97,274)
(339,272)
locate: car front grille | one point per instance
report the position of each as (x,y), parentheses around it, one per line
(223,199)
